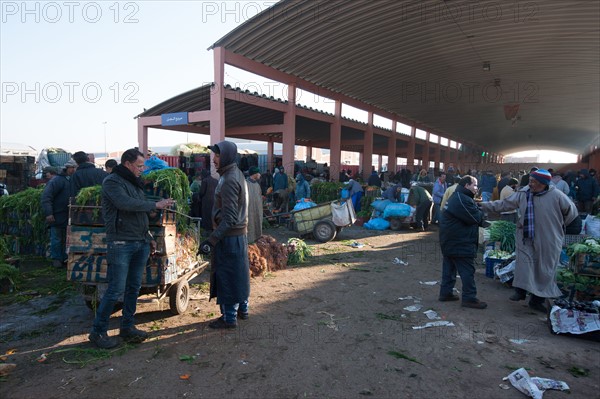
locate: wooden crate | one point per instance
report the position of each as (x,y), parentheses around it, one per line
(587,265)
(87,215)
(92,268)
(92,239)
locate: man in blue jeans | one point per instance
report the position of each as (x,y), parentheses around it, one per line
(459,236)
(125,210)
(228,242)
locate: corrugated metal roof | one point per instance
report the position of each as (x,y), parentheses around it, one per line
(422,60)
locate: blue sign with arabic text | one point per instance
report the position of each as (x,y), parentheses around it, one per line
(178,118)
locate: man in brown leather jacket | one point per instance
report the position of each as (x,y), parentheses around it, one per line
(228,243)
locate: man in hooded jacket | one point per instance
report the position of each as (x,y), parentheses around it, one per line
(228,243)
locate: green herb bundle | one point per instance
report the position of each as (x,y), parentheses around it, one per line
(504,232)
(22,217)
(299,251)
(176,186)
(325,191)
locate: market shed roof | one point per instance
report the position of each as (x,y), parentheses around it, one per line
(450,66)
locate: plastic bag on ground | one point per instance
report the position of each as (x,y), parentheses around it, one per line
(377,224)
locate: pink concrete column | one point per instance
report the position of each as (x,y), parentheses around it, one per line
(270,151)
(425,158)
(309,151)
(410,155)
(367,160)
(392,157)
(379,162)
(335,143)
(217,101)
(289,131)
(142,137)
(438,153)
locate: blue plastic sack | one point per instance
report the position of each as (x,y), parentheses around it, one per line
(397,210)
(380,205)
(154,163)
(377,224)
(345,193)
(304,205)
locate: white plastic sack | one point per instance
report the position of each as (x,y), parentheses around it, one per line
(507,272)
(592,226)
(342,213)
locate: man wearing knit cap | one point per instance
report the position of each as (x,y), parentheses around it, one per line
(543,213)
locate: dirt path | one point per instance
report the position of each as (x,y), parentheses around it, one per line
(334,328)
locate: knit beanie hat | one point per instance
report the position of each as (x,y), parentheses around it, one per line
(541,175)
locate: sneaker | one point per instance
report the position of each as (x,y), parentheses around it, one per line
(447,298)
(133,335)
(242,315)
(103,341)
(476,304)
(220,323)
(538,306)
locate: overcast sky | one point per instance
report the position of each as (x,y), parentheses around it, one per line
(74,73)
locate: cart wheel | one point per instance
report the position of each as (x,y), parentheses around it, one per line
(324,231)
(395,224)
(179,297)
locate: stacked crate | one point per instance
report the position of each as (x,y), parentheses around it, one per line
(86,247)
(15,172)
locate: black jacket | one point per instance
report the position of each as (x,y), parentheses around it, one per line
(87,175)
(459,225)
(230,209)
(55,199)
(206,200)
(125,208)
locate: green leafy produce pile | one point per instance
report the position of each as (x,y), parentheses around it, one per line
(325,191)
(7,271)
(571,280)
(499,254)
(89,196)
(299,251)
(176,186)
(504,232)
(590,246)
(371,193)
(22,219)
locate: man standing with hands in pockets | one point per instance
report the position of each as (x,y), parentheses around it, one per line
(125,210)
(228,242)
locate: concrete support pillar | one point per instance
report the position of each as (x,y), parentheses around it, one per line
(392,157)
(217,98)
(379,162)
(335,143)
(289,131)
(270,152)
(425,164)
(309,151)
(410,155)
(367,162)
(142,137)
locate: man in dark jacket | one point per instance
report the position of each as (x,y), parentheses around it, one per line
(459,237)
(374,180)
(203,200)
(488,183)
(587,191)
(125,210)
(228,243)
(86,175)
(55,203)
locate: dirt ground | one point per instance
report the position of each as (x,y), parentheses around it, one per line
(332,328)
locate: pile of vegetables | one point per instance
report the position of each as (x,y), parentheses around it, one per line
(298,251)
(499,254)
(22,219)
(8,272)
(504,232)
(590,246)
(325,191)
(89,196)
(571,281)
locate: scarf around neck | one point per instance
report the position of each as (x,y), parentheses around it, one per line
(128,175)
(529,219)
